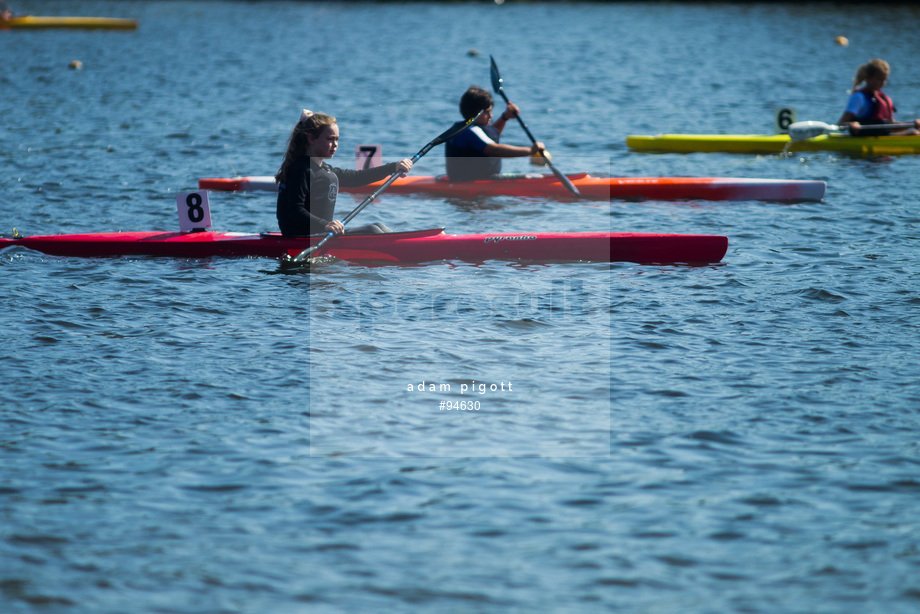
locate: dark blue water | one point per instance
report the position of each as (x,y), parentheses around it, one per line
(221,436)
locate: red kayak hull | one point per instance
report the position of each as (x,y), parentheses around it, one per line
(400,247)
(594,188)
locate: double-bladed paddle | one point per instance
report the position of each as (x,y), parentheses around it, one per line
(800,131)
(497,86)
(441,138)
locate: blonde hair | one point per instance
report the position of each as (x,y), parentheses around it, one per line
(310,125)
(870,69)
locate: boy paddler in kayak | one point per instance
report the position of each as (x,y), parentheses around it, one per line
(869,105)
(476,153)
(308,187)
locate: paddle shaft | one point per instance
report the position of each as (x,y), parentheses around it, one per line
(497,86)
(518,117)
(877,127)
(444,136)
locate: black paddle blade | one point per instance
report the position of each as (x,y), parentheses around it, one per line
(288,263)
(496,77)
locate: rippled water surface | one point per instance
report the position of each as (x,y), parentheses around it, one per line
(223,436)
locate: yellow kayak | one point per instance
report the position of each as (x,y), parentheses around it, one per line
(775,143)
(33,22)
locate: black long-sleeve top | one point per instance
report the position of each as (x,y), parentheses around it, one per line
(306,201)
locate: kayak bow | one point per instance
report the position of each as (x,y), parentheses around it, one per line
(595,188)
(399,247)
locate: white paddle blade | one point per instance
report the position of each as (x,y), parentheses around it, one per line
(800,131)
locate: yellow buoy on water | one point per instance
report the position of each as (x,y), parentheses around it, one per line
(76,64)
(842,41)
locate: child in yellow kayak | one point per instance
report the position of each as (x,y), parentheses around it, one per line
(869,105)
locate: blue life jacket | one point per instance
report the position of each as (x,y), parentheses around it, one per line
(464,159)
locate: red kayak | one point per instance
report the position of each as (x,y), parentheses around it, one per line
(398,247)
(595,188)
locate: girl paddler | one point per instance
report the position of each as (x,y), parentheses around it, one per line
(308,187)
(868,105)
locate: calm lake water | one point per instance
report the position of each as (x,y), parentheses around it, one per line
(198,436)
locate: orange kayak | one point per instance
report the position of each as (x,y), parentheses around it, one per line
(595,188)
